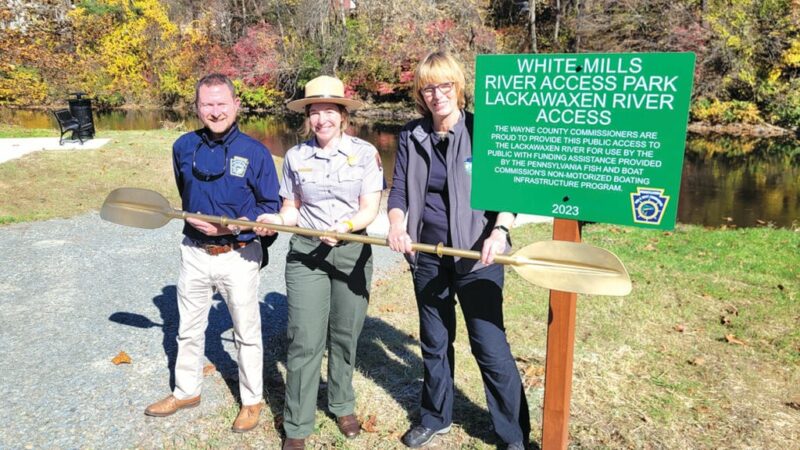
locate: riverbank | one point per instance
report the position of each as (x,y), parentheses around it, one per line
(742,129)
(401,112)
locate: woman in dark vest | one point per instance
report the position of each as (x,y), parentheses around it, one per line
(430,202)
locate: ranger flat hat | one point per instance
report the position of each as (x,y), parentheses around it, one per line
(324,89)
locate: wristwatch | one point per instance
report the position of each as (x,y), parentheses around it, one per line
(502,228)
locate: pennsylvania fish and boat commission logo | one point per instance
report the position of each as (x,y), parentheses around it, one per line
(648,205)
(239,166)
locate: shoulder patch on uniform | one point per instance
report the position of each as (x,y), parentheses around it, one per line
(239,166)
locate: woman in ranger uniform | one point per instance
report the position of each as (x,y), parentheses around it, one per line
(332,182)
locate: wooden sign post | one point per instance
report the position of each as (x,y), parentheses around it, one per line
(560,346)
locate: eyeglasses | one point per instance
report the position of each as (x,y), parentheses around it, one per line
(444,88)
(204,175)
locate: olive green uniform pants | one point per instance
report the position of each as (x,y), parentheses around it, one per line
(328,291)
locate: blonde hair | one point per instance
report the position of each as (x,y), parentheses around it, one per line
(438,67)
(308,132)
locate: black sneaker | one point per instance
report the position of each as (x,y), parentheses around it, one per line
(420,436)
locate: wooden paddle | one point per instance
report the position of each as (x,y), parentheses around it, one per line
(559,265)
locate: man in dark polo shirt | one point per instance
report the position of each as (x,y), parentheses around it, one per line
(222,172)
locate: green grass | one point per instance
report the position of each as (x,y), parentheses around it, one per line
(8,131)
(52,184)
(704,353)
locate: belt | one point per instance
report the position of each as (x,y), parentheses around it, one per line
(341,242)
(215,250)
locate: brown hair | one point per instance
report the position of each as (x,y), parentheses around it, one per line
(438,67)
(213,79)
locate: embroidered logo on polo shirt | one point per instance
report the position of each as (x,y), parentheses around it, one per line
(239,166)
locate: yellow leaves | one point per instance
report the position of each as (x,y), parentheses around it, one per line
(121,358)
(791,57)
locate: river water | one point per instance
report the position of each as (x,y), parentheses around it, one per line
(741,182)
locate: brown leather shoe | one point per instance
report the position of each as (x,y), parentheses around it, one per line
(247,418)
(169,405)
(294,444)
(349,426)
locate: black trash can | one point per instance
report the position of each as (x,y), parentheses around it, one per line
(81,109)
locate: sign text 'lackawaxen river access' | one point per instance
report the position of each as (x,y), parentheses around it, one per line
(592,137)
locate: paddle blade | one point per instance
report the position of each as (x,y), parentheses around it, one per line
(134,207)
(572,267)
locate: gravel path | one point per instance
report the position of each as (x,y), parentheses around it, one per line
(79,291)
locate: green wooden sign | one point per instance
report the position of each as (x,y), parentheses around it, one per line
(591,137)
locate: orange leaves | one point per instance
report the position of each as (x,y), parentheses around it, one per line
(532,373)
(370,424)
(697,361)
(121,358)
(732,339)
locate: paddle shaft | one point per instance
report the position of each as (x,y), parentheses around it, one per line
(439,249)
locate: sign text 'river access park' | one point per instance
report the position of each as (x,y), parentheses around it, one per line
(592,137)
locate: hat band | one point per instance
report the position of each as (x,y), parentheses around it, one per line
(325,96)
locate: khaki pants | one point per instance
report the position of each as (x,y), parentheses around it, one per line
(235,275)
(328,291)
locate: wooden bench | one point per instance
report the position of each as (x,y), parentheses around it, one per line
(68,123)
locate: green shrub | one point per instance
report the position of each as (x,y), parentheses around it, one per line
(258,97)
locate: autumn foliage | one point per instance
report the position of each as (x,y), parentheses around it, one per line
(150,52)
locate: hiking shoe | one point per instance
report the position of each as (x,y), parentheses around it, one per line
(420,436)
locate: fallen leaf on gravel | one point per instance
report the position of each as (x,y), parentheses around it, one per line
(794,402)
(699,361)
(387,308)
(369,424)
(208,369)
(731,339)
(650,247)
(680,328)
(121,358)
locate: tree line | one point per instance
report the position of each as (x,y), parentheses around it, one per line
(150,52)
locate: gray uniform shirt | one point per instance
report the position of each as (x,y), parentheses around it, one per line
(328,185)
